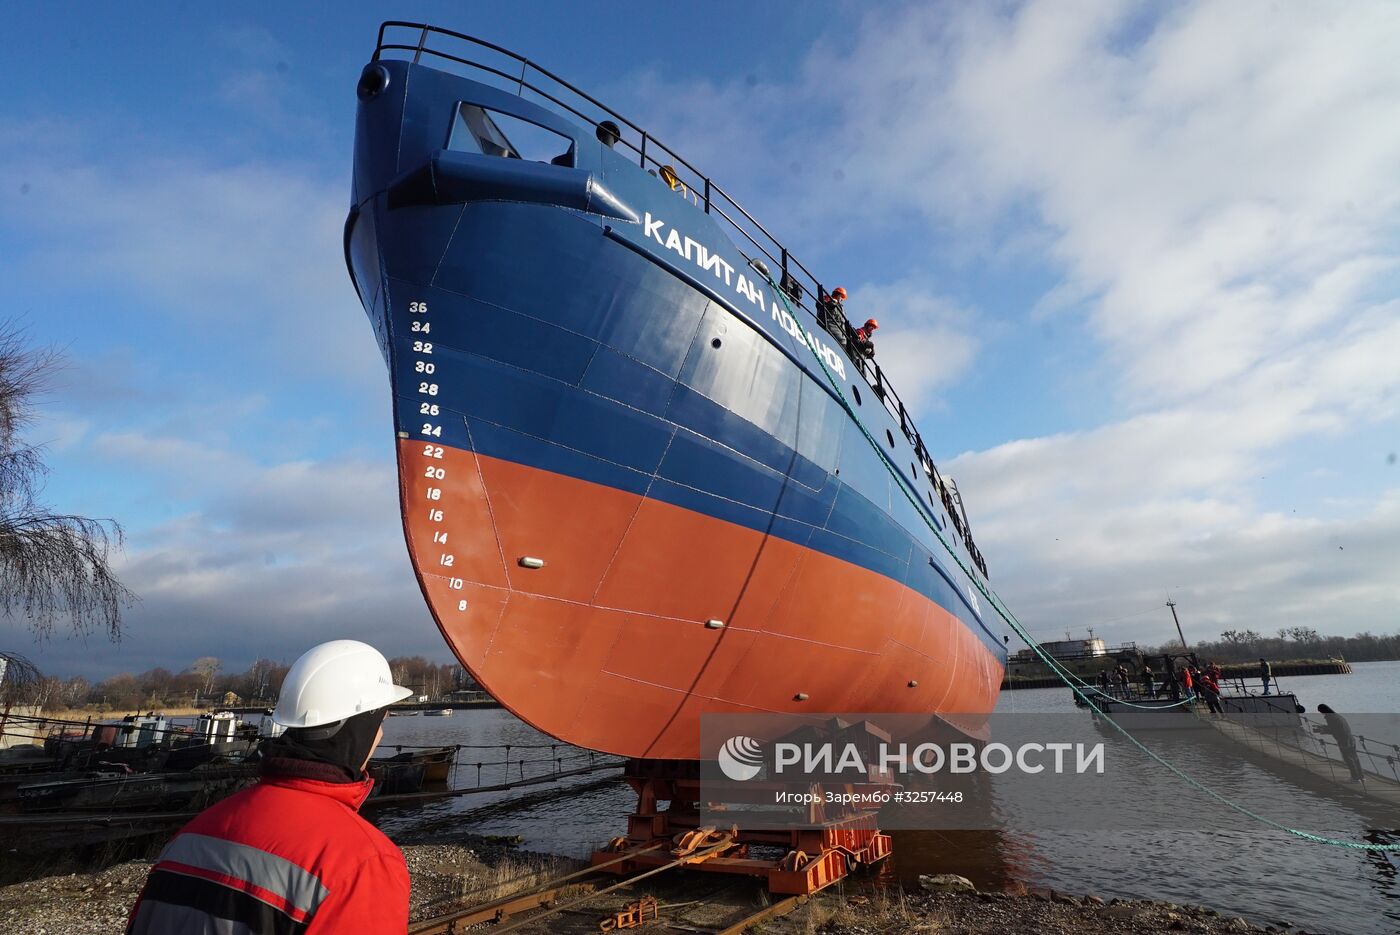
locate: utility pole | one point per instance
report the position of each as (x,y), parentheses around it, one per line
(1172,604)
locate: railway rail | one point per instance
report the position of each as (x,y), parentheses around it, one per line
(566,894)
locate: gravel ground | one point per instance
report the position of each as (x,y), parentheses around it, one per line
(442,875)
(1040,913)
(447,875)
(76,904)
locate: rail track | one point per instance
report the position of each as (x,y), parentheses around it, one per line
(568,893)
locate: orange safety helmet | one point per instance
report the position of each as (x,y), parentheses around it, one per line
(839,293)
(871,324)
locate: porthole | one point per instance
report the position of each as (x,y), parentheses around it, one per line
(856,390)
(930,499)
(716,342)
(890,436)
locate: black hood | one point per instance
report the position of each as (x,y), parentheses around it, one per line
(345,749)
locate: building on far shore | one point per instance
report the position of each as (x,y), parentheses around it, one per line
(1085,658)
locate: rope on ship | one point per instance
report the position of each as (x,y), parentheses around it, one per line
(1005,613)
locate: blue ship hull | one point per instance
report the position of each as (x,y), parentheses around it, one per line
(634,480)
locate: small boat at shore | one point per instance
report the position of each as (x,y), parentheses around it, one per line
(437,764)
(116,791)
(151,743)
(408,770)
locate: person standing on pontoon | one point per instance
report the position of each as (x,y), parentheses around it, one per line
(1187,682)
(1340,730)
(1147,681)
(1210,691)
(1266,673)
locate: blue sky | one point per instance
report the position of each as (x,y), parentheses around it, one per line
(1138,272)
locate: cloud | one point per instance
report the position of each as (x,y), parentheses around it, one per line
(220,384)
(1208,193)
(259,560)
(1210,184)
(923,338)
(1203,197)
(1226,566)
(1089,522)
(1222,190)
(246,249)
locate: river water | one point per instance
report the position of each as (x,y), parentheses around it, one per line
(1265,875)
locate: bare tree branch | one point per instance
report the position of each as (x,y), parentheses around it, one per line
(52,565)
(20,680)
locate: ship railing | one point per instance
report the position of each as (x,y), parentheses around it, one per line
(1378,758)
(416,41)
(524,75)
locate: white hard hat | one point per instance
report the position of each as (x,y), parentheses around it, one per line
(334,681)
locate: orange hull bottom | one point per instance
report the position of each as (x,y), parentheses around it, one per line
(606,646)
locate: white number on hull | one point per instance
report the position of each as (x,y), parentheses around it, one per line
(432,452)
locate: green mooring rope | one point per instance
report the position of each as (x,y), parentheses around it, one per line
(1005,613)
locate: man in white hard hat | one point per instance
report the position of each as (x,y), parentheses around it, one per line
(291,855)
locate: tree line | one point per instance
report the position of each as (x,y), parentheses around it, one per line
(205,683)
(1297,642)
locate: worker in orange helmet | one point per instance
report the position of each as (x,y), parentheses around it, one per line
(865,334)
(831,311)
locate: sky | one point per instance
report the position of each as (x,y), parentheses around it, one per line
(1135,268)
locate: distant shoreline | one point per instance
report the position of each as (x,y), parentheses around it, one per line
(1291,668)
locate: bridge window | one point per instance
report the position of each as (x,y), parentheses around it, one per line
(478,130)
(890,436)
